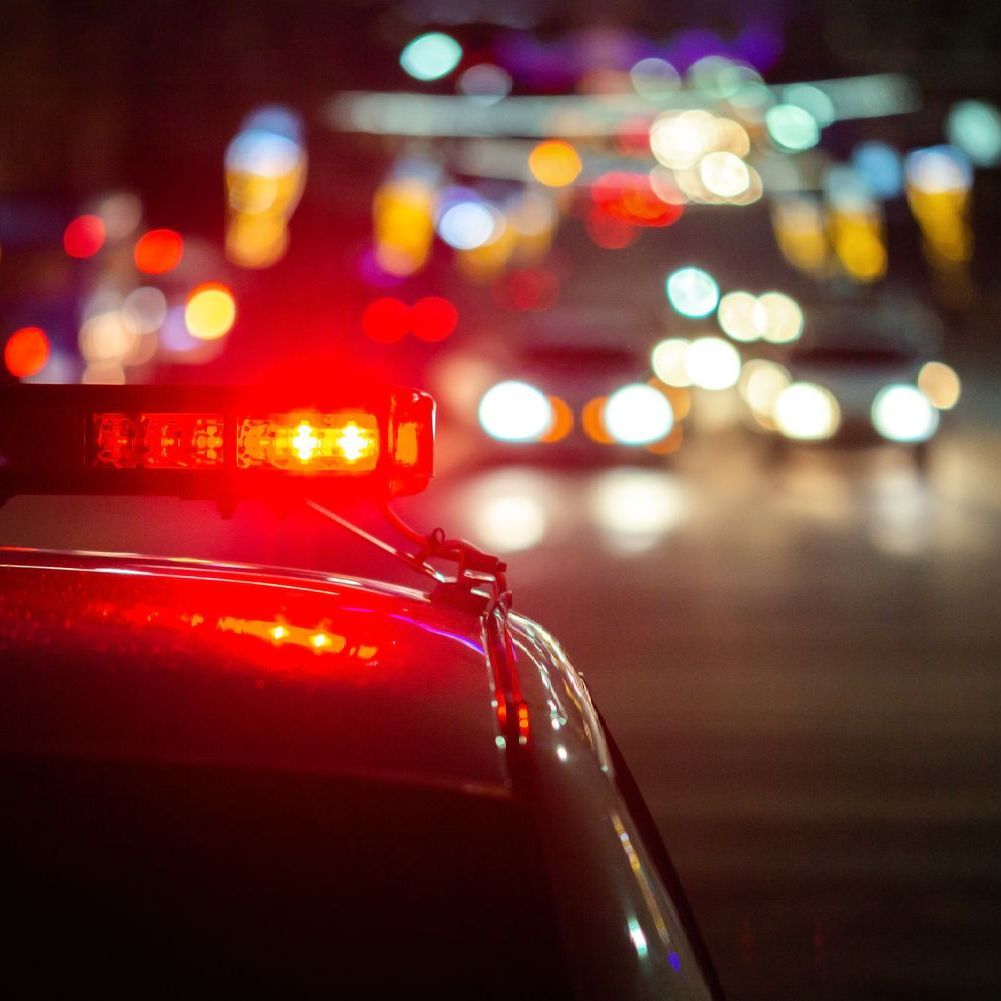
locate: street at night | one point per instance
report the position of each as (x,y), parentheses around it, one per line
(799,664)
(707,303)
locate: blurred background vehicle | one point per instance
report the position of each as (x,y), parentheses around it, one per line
(862,375)
(564,388)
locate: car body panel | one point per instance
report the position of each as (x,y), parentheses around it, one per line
(213,669)
(179,661)
(618,916)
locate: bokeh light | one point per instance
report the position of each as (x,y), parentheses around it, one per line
(210,311)
(26,352)
(792,128)
(84,236)
(712,363)
(784,317)
(431,56)
(761,383)
(680,140)
(403,216)
(938,169)
(692,292)
(807,412)
(668,362)
(903,413)
(515,411)
(158,251)
(121,212)
(386,320)
(554,163)
(881,167)
(638,414)
(941,384)
(743,316)
(145,309)
(107,339)
(485,83)
(654,78)
(724,174)
(433,318)
(975,128)
(812,100)
(629,197)
(467,223)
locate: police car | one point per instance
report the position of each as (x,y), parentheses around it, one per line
(222,778)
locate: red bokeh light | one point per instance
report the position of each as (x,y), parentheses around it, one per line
(526,289)
(608,232)
(26,352)
(386,320)
(159,251)
(84,236)
(630,198)
(433,318)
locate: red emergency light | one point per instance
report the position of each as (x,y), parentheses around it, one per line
(222,442)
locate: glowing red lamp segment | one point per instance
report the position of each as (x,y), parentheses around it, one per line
(84,236)
(157,441)
(345,442)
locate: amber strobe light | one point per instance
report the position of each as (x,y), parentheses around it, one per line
(342,442)
(213,442)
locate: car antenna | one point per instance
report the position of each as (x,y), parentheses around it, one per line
(476,570)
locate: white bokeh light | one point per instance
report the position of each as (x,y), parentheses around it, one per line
(638,414)
(668,362)
(807,412)
(515,411)
(467,225)
(692,291)
(903,413)
(712,363)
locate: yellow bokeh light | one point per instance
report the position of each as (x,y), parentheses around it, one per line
(210,312)
(555,163)
(800,232)
(858,241)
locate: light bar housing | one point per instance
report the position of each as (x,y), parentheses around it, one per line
(226,443)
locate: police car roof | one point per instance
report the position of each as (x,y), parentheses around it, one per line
(127,656)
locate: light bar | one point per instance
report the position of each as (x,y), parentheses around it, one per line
(224,442)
